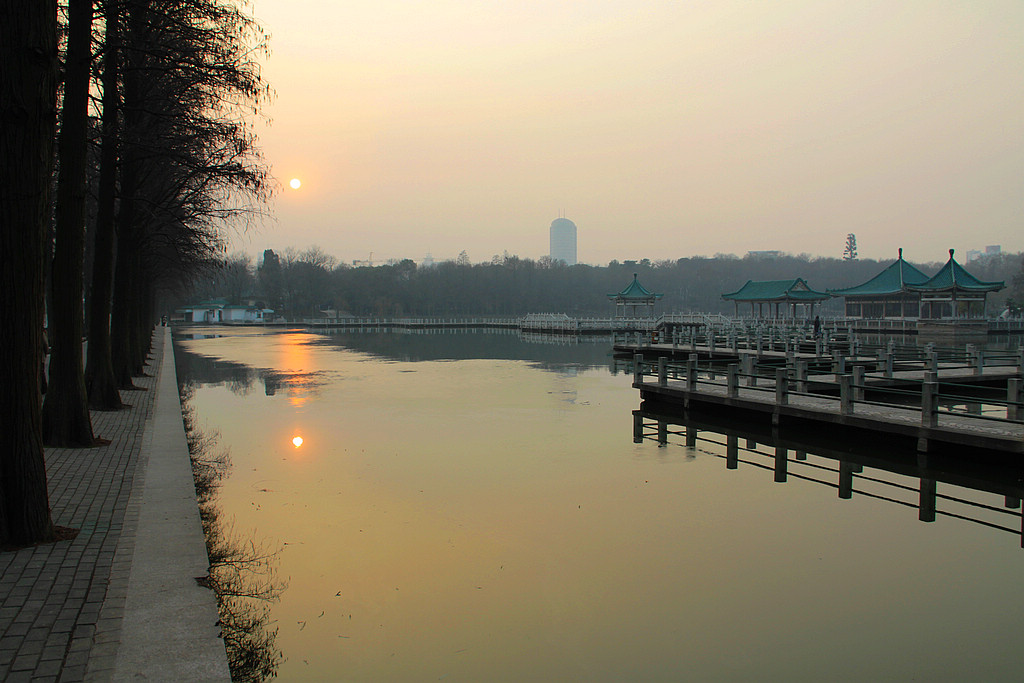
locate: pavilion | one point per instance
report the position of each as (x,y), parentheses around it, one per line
(953,293)
(778,293)
(634,296)
(903,291)
(886,295)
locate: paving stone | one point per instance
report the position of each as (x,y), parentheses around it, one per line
(53,594)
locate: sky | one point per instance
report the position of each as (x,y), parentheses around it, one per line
(662,129)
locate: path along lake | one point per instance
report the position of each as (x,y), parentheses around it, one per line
(473,507)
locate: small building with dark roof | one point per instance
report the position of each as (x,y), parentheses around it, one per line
(780,294)
(634,296)
(954,293)
(903,291)
(886,295)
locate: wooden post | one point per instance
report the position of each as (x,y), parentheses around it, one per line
(691,372)
(888,364)
(732,388)
(662,371)
(929,399)
(662,433)
(781,465)
(1013,398)
(979,358)
(691,436)
(752,369)
(926,507)
(801,376)
(638,368)
(858,383)
(732,460)
(845,480)
(638,427)
(845,395)
(781,387)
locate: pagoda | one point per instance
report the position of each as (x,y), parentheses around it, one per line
(780,294)
(886,295)
(903,291)
(634,296)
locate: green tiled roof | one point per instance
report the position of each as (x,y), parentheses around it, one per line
(635,291)
(952,276)
(776,290)
(892,280)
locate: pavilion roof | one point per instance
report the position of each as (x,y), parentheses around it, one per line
(892,280)
(952,276)
(776,290)
(636,292)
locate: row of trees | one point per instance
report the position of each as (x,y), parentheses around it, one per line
(302,284)
(127,122)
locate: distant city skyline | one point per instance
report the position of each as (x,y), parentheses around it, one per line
(962,255)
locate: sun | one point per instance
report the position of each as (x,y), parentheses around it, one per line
(297,441)
(295,183)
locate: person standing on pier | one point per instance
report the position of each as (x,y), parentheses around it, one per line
(817,326)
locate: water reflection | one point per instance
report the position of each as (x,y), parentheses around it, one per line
(242,572)
(984,493)
(293,375)
(545,352)
(487,517)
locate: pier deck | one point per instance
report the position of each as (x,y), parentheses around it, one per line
(924,419)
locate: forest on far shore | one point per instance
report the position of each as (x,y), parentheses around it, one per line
(310,283)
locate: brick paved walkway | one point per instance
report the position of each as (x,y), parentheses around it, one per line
(62,604)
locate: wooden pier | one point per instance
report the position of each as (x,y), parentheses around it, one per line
(928,410)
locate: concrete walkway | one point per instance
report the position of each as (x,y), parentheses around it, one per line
(120,601)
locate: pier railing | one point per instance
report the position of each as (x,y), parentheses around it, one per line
(787,385)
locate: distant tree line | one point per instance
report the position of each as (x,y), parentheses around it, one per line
(304,284)
(125,148)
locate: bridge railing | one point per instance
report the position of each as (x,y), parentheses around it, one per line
(924,398)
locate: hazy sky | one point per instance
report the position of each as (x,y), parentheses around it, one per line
(662,129)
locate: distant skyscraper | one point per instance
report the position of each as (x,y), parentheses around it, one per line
(563,241)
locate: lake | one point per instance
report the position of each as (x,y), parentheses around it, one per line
(473,507)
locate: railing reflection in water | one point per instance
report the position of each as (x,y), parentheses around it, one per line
(971,490)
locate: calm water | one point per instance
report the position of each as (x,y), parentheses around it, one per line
(474,508)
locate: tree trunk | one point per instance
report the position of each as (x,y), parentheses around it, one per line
(120,320)
(28,100)
(99,370)
(121,330)
(66,419)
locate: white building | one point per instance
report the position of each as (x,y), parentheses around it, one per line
(563,241)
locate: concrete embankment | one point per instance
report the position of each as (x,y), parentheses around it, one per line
(119,601)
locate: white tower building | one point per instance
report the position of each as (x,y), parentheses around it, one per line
(563,241)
